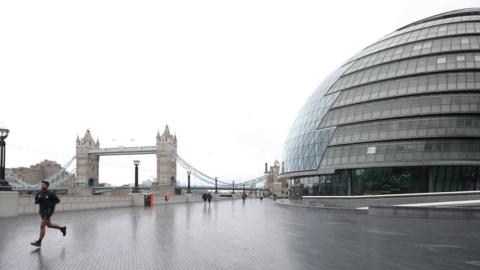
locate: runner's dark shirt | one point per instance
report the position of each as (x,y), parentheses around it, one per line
(47,200)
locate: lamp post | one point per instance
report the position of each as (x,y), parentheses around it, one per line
(188,187)
(136,189)
(216,189)
(4,186)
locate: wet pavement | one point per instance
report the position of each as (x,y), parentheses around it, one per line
(233,235)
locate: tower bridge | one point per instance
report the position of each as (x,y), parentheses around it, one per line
(88,154)
(87,161)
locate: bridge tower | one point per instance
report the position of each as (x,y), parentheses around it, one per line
(166,165)
(273,177)
(87,165)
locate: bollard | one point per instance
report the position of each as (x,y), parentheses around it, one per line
(151,198)
(146,200)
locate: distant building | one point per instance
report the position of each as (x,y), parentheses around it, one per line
(35,173)
(278,186)
(147,183)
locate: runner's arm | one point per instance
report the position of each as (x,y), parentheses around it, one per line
(55,198)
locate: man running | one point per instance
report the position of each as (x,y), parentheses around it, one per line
(47,201)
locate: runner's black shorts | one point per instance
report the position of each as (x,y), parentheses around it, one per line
(46,214)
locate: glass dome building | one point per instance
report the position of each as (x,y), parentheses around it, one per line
(401,116)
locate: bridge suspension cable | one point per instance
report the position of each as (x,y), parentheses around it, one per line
(63,176)
(17,183)
(208,179)
(200,175)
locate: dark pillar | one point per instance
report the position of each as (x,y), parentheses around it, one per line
(216,188)
(281,181)
(349,191)
(136,189)
(136,176)
(2,159)
(233,187)
(477,175)
(188,187)
(4,186)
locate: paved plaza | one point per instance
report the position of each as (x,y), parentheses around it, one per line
(232,235)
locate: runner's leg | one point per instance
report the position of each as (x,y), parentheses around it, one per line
(52,225)
(42,229)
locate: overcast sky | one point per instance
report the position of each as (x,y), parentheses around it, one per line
(228,77)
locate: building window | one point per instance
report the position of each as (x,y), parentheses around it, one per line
(441,60)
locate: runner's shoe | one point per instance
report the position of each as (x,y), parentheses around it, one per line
(63,230)
(37,243)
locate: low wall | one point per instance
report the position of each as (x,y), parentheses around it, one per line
(26,204)
(8,203)
(13,204)
(425,212)
(391,199)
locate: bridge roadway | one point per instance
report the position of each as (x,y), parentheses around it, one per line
(119,151)
(232,235)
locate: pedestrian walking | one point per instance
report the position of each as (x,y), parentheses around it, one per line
(209,198)
(47,200)
(204,198)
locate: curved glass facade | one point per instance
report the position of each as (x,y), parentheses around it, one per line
(403,115)
(305,144)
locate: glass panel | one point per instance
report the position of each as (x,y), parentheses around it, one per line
(448,126)
(432,83)
(405,67)
(414,151)
(403,107)
(420,48)
(408,36)
(392,180)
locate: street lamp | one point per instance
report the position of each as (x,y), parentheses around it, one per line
(4,186)
(188,187)
(136,189)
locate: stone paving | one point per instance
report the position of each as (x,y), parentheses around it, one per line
(232,235)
